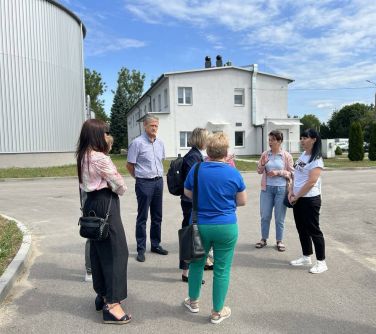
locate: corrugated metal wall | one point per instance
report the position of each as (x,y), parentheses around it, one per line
(41,77)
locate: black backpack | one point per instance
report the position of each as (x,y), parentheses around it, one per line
(175,180)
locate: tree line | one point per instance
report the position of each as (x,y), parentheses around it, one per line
(130,85)
(357,122)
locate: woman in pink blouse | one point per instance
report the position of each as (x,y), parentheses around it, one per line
(99,178)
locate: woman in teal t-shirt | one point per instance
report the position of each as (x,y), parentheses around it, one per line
(220,190)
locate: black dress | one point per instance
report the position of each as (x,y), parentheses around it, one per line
(109,258)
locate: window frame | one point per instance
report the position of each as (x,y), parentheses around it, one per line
(187,135)
(237,90)
(159,103)
(184,103)
(243,139)
(165,97)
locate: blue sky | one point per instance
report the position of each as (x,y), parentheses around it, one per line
(327,47)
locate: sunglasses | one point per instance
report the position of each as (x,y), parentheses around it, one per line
(107,133)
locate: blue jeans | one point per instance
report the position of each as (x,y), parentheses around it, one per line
(272,197)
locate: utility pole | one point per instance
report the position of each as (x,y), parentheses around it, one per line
(373,83)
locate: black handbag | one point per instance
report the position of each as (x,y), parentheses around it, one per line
(286,201)
(190,244)
(93,227)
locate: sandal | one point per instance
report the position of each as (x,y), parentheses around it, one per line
(262,243)
(217,317)
(280,246)
(109,318)
(191,305)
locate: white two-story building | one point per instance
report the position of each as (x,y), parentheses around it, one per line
(240,101)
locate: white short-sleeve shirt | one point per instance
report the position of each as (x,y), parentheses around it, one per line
(301,174)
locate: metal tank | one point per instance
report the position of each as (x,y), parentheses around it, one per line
(42,92)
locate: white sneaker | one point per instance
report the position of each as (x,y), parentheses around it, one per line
(302,261)
(88,277)
(319,267)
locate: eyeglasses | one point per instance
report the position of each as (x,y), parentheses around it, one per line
(107,133)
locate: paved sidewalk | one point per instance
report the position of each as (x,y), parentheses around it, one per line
(266,294)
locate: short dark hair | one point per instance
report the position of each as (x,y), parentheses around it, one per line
(316,149)
(278,135)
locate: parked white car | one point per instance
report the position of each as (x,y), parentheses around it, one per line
(343,146)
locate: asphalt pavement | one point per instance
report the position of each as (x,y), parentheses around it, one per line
(266,294)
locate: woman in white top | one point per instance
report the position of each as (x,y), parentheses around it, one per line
(305,195)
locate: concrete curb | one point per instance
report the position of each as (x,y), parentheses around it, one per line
(10,275)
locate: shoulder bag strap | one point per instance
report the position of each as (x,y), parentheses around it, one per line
(195,194)
(109,208)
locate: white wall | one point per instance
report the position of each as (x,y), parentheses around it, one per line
(213,102)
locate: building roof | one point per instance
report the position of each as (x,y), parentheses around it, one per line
(248,68)
(74,16)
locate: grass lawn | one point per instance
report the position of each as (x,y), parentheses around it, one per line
(119,161)
(10,242)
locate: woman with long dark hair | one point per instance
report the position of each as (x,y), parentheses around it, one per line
(305,195)
(99,178)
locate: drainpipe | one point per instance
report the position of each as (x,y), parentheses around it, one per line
(254,70)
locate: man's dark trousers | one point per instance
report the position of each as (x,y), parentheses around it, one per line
(149,194)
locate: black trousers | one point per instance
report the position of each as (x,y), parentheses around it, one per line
(306,215)
(187,210)
(149,194)
(109,258)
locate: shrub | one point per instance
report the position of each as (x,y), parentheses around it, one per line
(338,151)
(372,143)
(356,138)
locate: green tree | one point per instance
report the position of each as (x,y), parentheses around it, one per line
(372,143)
(356,138)
(95,87)
(325,131)
(129,89)
(339,123)
(310,122)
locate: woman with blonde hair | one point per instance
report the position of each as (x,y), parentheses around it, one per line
(103,184)
(197,141)
(220,190)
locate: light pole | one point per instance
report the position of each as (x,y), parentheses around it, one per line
(373,83)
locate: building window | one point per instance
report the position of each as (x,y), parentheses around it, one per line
(159,103)
(239,138)
(239,97)
(184,138)
(184,95)
(165,98)
(154,109)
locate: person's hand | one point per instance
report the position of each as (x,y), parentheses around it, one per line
(273,173)
(264,160)
(292,198)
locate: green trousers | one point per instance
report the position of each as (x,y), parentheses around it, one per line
(223,240)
